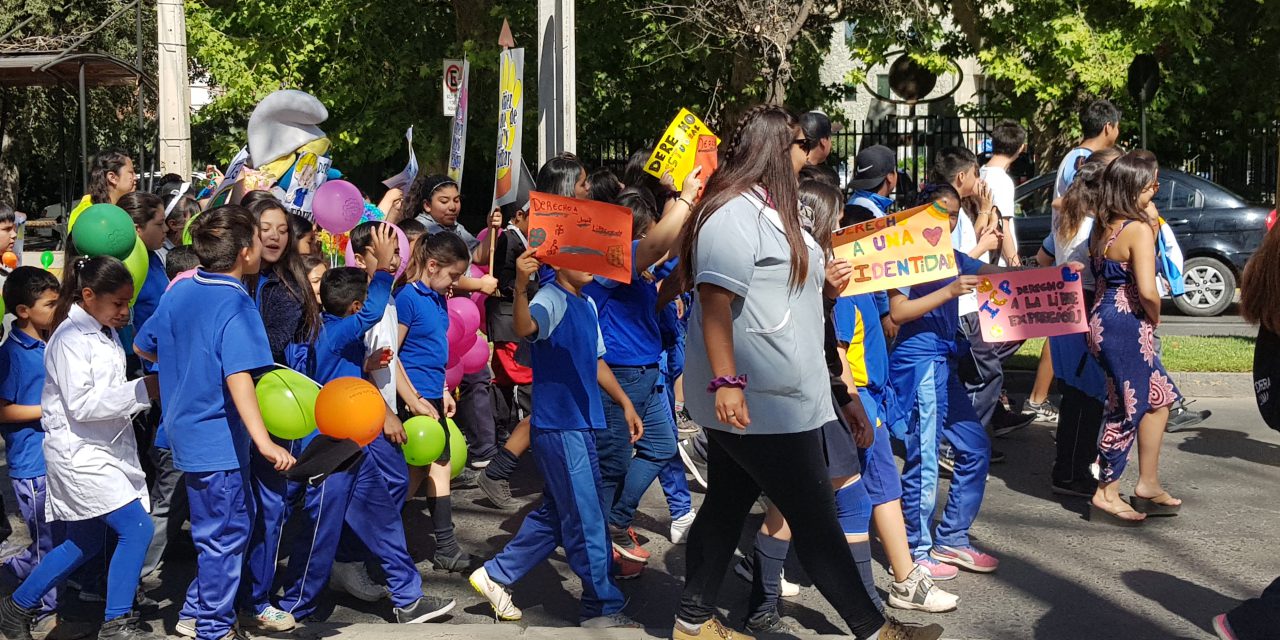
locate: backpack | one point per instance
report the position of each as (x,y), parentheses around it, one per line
(1266,376)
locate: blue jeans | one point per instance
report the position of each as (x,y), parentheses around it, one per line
(624,479)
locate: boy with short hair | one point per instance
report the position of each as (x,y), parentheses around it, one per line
(566,350)
(8,235)
(1100,125)
(30,294)
(208,336)
(1008,141)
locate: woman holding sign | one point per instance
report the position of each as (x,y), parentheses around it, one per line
(755,328)
(1122,335)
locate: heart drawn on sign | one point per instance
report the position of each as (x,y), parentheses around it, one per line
(933,235)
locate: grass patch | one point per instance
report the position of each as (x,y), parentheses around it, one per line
(1230,354)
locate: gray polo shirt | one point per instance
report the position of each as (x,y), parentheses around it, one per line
(777,332)
(434,227)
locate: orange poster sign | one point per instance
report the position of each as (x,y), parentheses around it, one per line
(581,234)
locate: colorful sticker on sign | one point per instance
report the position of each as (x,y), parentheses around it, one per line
(581,234)
(898,250)
(1036,303)
(510,123)
(677,149)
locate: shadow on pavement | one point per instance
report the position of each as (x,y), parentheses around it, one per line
(1221,443)
(1181,597)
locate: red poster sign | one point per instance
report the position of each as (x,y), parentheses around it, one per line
(581,234)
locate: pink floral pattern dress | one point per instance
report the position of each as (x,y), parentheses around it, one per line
(1124,341)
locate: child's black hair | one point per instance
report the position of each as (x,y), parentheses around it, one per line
(424,187)
(603,186)
(341,286)
(179,259)
(361,236)
(220,234)
(412,228)
(25,285)
(815,125)
(101,275)
(935,191)
(7,214)
(104,162)
(1097,116)
(300,226)
(644,211)
(258,195)
(443,247)
(559,176)
(140,206)
(951,162)
(1007,138)
(820,173)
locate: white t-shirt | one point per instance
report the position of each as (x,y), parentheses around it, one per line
(385,335)
(1078,250)
(1002,192)
(963,239)
(1066,175)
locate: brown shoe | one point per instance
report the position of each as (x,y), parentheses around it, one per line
(710,630)
(894,630)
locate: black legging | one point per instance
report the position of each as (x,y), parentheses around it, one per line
(790,469)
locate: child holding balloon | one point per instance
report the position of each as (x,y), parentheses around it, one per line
(568,375)
(94,481)
(436,263)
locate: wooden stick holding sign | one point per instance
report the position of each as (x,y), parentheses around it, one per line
(581,234)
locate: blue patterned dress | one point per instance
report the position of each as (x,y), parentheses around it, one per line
(1124,341)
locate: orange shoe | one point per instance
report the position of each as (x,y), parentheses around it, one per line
(625,568)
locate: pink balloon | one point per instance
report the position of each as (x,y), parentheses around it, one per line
(476,358)
(337,206)
(463,311)
(460,347)
(401,239)
(453,334)
(453,376)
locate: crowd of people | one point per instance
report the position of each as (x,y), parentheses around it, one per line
(134,411)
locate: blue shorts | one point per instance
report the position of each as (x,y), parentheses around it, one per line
(879,469)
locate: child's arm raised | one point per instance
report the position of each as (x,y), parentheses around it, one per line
(604,377)
(241,387)
(662,236)
(522,320)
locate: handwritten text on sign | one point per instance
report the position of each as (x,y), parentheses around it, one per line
(581,234)
(678,147)
(897,250)
(1031,304)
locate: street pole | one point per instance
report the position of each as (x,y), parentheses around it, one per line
(557,73)
(174,98)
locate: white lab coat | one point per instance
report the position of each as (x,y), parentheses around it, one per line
(86,410)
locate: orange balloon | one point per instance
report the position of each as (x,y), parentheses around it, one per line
(350,408)
(10,259)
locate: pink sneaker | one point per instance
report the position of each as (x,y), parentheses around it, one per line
(968,557)
(937,570)
(1222,627)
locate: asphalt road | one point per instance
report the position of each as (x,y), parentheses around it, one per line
(1061,578)
(1173,323)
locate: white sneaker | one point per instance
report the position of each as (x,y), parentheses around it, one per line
(680,527)
(499,597)
(353,578)
(271,619)
(789,589)
(186,627)
(919,593)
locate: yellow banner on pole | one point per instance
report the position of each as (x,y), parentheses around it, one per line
(898,250)
(677,149)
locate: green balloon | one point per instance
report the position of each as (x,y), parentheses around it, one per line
(46,260)
(287,400)
(424,440)
(457,449)
(104,230)
(186,229)
(138,263)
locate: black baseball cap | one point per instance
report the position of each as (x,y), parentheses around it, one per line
(871,165)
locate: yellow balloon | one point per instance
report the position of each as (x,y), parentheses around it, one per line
(85,203)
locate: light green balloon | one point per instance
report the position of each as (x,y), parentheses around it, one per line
(287,400)
(138,263)
(424,440)
(457,449)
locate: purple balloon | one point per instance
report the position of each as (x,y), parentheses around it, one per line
(476,357)
(337,206)
(401,239)
(453,376)
(463,311)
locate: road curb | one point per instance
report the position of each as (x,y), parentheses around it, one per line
(501,631)
(1192,385)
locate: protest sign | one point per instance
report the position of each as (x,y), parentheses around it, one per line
(677,149)
(708,159)
(581,234)
(458,142)
(404,179)
(510,125)
(1036,303)
(898,250)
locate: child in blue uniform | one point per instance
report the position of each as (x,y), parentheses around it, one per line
(568,375)
(208,337)
(438,261)
(31,294)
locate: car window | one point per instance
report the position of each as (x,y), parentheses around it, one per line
(1036,202)
(1182,196)
(1164,196)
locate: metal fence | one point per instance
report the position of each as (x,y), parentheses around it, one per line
(1248,168)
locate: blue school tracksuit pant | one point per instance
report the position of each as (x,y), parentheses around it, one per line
(222,515)
(675,485)
(935,404)
(373,527)
(311,553)
(45,536)
(85,542)
(572,515)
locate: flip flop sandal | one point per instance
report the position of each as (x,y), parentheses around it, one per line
(1098,514)
(1152,507)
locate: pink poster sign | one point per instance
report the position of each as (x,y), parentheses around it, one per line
(1036,303)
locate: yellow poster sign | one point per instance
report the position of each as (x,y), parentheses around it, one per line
(897,250)
(677,149)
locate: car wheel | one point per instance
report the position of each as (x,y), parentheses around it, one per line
(1210,285)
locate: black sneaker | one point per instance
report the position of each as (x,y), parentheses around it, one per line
(467,477)
(15,621)
(1182,418)
(460,562)
(124,628)
(426,609)
(771,623)
(497,491)
(1006,423)
(1083,488)
(997,456)
(693,461)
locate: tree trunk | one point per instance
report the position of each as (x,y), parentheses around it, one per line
(9,172)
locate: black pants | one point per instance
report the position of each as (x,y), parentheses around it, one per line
(1257,619)
(982,371)
(792,472)
(1079,419)
(475,415)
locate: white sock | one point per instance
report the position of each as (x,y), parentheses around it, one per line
(688,627)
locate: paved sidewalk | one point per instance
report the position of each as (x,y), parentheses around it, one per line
(503,631)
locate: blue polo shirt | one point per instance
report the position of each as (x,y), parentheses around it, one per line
(425,351)
(628,317)
(340,349)
(565,353)
(149,298)
(205,329)
(943,320)
(21,381)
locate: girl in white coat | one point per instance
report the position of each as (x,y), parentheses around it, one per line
(92,458)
